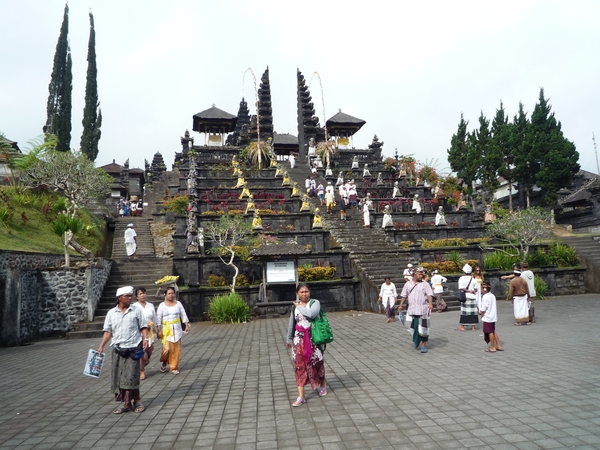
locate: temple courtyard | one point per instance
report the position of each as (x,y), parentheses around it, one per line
(237,384)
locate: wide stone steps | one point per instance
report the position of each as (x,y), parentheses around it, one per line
(140,272)
(145,244)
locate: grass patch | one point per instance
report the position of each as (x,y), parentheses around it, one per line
(26,220)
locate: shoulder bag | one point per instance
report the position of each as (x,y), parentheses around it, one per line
(320,330)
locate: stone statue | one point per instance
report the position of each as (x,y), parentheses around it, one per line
(319,162)
(317,221)
(191,246)
(396,192)
(237,172)
(440,218)
(245,191)
(379,179)
(257,222)
(489,215)
(416,206)
(462,202)
(387,217)
(286,179)
(328,171)
(366,173)
(295,190)
(312,147)
(355,162)
(273,161)
(250,205)
(278,171)
(240,182)
(305,205)
(340,179)
(402,171)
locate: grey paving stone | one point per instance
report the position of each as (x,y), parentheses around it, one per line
(230,397)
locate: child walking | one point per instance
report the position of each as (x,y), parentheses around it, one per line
(489,318)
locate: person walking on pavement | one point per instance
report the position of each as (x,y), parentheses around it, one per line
(420,304)
(489,317)
(128,328)
(131,242)
(437,282)
(150,316)
(388,296)
(468,309)
(528,276)
(519,294)
(172,320)
(309,366)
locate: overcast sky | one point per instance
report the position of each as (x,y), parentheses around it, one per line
(409,69)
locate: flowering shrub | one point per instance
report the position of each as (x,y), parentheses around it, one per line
(177,204)
(216,280)
(316,273)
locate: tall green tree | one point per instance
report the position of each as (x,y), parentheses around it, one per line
(525,162)
(462,156)
(92,115)
(558,158)
(489,157)
(58,109)
(501,143)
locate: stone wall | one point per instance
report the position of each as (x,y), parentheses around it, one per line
(41,299)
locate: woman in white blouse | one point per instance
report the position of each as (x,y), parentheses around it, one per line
(388,296)
(171,322)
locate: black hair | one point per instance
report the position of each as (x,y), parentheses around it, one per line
(140,289)
(302,285)
(168,289)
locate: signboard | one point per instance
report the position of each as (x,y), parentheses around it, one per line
(281,272)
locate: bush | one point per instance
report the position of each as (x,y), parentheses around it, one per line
(449,242)
(242,280)
(500,260)
(306,274)
(217,280)
(228,308)
(562,256)
(541,288)
(178,205)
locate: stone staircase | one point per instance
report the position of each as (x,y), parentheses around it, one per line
(372,254)
(588,250)
(140,272)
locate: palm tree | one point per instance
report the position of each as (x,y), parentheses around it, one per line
(326,150)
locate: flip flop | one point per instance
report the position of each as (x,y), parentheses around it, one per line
(122,410)
(487,350)
(499,349)
(139,408)
(459,329)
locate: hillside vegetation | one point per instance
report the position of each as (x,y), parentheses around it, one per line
(26,218)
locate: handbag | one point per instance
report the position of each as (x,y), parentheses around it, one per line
(462,294)
(320,330)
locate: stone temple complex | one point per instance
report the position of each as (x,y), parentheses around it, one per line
(238,165)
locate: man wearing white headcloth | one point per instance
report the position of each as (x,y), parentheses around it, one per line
(128,328)
(131,242)
(469,313)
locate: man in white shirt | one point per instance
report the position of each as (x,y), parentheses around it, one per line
(528,276)
(128,328)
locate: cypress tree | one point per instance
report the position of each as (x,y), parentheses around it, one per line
(92,120)
(58,121)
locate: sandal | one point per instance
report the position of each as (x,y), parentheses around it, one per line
(323,391)
(139,408)
(122,410)
(299,402)
(175,372)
